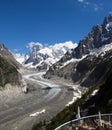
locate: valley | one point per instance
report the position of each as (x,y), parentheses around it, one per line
(43,101)
(43,84)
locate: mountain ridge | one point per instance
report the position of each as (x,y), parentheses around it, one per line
(88,59)
(40,57)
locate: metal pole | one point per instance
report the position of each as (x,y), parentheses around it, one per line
(78,113)
(100,123)
(78,116)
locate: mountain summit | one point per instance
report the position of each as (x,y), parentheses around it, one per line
(99,35)
(41,57)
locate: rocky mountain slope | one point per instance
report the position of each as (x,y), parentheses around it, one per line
(4,52)
(9,74)
(102,100)
(41,57)
(90,62)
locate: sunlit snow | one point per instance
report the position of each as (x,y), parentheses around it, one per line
(37,113)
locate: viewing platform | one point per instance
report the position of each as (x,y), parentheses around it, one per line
(93,122)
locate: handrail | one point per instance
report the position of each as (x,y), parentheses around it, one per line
(81,119)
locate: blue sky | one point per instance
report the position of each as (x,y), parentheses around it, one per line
(48,21)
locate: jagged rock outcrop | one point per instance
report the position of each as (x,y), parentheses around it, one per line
(100,35)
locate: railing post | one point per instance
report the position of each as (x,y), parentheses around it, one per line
(100,123)
(78,116)
(109,119)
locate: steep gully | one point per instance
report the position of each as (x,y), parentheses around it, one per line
(42,103)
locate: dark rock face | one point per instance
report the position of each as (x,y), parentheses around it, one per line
(93,70)
(67,56)
(93,40)
(33,54)
(43,66)
(100,35)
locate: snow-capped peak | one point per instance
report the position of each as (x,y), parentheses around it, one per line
(68,44)
(47,55)
(33,45)
(60,49)
(20,57)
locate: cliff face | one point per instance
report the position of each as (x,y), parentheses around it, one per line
(4,52)
(9,70)
(93,69)
(8,73)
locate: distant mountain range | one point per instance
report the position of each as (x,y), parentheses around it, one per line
(40,57)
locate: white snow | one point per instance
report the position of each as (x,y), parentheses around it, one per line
(105,39)
(72,60)
(108,26)
(68,44)
(48,54)
(84,45)
(47,51)
(37,113)
(31,44)
(58,49)
(77,94)
(69,61)
(102,50)
(20,57)
(94,92)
